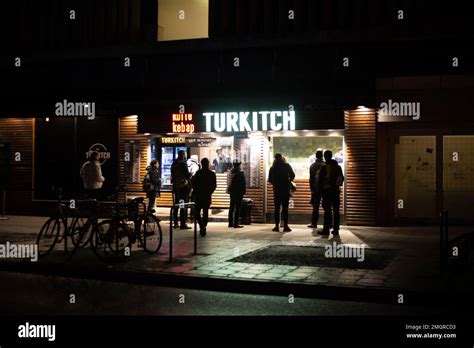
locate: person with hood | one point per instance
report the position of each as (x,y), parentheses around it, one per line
(281,175)
(91,175)
(180,178)
(153,184)
(204,184)
(313,184)
(330,178)
(193,165)
(236,189)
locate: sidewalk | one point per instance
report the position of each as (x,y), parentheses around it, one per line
(414,267)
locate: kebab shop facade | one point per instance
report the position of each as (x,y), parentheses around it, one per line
(251,135)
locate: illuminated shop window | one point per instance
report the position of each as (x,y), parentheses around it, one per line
(183,19)
(299,151)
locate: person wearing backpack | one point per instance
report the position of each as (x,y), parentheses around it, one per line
(180,178)
(313,184)
(330,179)
(152,184)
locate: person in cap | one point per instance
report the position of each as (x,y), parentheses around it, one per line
(236,189)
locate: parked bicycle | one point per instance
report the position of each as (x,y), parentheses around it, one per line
(129,224)
(67,222)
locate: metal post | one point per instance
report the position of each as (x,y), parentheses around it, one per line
(195,229)
(171,234)
(446,238)
(3,217)
(441,242)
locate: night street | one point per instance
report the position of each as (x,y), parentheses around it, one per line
(110,298)
(212,166)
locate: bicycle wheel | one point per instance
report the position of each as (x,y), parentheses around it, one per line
(150,233)
(81,231)
(48,236)
(110,240)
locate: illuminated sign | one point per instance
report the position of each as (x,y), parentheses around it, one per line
(173,140)
(104,155)
(182,123)
(246,121)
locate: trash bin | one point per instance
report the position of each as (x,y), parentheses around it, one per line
(246,211)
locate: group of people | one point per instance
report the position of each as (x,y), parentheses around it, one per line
(198,182)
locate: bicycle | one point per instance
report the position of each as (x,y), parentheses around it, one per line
(113,239)
(58,228)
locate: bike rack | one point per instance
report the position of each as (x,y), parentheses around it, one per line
(180,206)
(443,240)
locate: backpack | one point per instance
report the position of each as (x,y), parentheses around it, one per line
(146,183)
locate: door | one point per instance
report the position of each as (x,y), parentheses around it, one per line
(458,176)
(415,179)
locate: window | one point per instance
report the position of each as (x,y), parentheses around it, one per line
(183,19)
(132,161)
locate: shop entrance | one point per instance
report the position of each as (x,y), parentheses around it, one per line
(433,173)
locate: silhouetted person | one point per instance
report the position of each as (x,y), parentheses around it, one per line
(181,187)
(204,184)
(236,189)
(91,175)
(313,184)
(154,186)
(329,180)
(281,175)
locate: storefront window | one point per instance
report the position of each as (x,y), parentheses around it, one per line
(183,19)
(299,151)
(132,161)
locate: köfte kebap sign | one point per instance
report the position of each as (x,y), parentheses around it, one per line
(250,121)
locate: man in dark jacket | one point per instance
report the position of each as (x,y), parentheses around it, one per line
(281,175)
(204,184)
(315,193)
(181,187)
(330,178)
(236,189)
(153,190)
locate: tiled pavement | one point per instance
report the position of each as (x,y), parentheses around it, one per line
(415,267)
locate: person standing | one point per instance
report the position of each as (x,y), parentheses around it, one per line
(193,167)
(329,181)
(313,184)
(152,184)
(236,189)
(204,184)
(181,187)
(281,175)
(91,175)
(221,162)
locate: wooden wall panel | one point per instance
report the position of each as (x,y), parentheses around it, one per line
(361,178)
(19,133)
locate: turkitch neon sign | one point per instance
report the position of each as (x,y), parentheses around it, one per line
(250,121)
